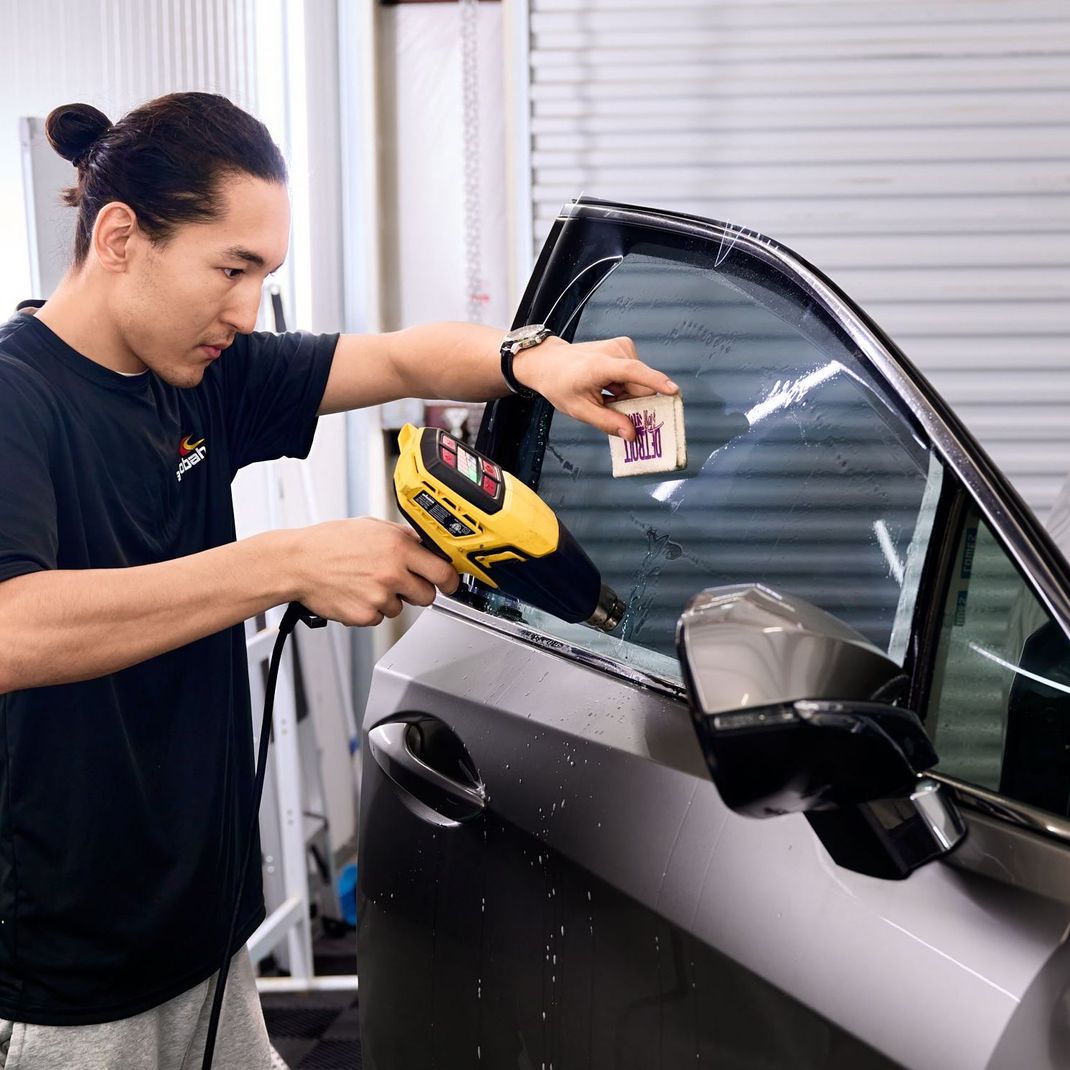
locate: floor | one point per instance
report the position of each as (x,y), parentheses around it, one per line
(318,1030)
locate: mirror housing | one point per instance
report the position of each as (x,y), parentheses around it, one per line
(808,756)
(747,647)
(793,710)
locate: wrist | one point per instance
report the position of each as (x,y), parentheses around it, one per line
(523,371)
(279,554)
(530,365)
(515,345)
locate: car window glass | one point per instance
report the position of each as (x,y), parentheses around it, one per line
(999,712)
(801,474)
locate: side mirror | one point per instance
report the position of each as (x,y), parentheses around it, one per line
(794,712)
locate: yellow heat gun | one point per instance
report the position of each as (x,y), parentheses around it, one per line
(490,525)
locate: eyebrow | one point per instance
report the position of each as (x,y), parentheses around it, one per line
(239,252)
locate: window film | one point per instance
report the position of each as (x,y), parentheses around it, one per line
(999,713)
(801,474)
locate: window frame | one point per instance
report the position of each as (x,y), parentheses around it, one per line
(936,582)
(512,426)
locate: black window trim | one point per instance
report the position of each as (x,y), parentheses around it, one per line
(936,574)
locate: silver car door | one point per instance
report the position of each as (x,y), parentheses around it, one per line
(548,876)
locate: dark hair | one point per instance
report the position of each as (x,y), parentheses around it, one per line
(164,159)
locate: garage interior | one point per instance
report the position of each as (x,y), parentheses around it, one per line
(917,153)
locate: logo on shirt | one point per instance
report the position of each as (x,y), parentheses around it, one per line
(190,454)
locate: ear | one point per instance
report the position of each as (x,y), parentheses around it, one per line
(115,226)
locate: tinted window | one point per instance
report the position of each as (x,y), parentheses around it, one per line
(1000,707)
(801,473)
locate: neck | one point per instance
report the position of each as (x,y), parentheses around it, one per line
(78,312)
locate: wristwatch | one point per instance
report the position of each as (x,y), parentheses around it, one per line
(513,343)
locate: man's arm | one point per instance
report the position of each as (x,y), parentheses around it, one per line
(64,625)
(458,361)
(462,362)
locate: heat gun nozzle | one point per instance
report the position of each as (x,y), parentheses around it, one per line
(609,611)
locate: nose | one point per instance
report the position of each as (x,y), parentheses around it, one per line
(244,307)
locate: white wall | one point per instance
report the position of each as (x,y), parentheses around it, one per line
(422,226)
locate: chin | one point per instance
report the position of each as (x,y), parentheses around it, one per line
(182,378)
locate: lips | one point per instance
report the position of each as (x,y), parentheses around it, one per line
(213,351)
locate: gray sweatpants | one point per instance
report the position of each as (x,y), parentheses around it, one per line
(168,1037)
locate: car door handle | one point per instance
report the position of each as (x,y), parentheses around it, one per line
(392,746)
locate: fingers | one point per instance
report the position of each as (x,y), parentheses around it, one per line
(582,378)
(631,391)
(612,423)
(416,590)
(624,377)
(391,606)
(405,529)
(426,566)
(411,587)
(361,570)
(434,570)
(624,368)
(638,378)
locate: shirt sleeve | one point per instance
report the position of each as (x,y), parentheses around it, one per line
(28,528)
(272,388)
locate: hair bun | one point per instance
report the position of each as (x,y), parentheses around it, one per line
(73,129)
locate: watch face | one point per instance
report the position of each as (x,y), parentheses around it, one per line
(525,334)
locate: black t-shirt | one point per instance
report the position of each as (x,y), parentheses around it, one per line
(124,800)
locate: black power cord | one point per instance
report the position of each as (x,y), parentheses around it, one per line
(295,613)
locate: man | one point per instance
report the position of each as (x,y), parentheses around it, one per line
(127,404)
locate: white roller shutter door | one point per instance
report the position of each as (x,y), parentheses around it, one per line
(917,153)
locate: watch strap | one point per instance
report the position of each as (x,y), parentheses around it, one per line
(514,384)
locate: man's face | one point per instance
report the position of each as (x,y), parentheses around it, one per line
(182,301)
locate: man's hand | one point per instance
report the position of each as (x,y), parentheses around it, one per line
(573,377)
(362,570)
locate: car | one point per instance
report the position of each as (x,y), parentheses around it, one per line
(808,806)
